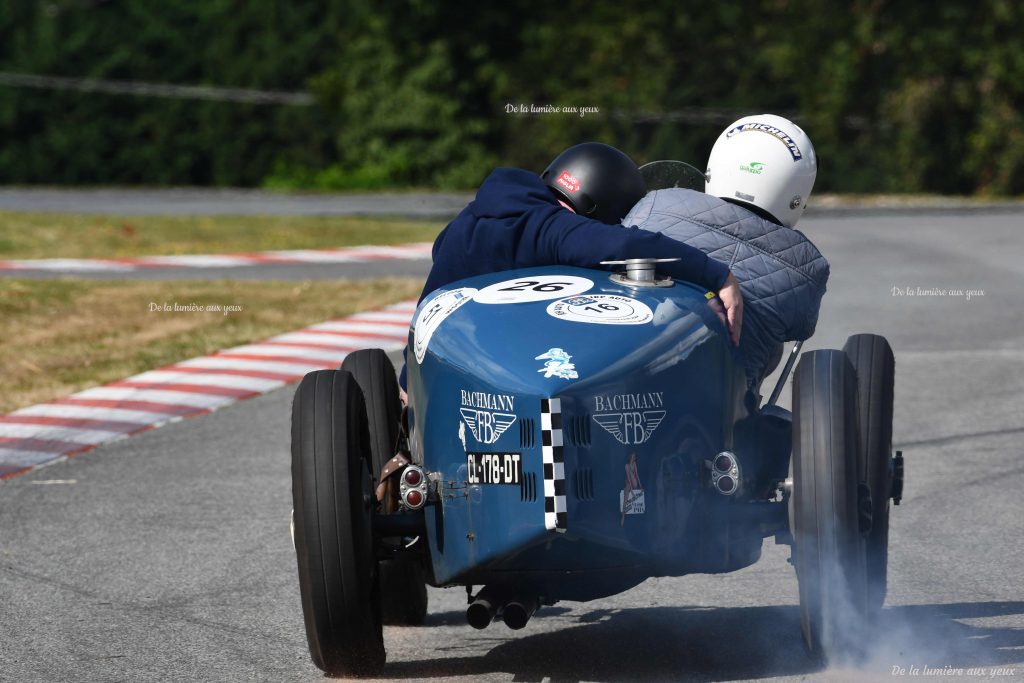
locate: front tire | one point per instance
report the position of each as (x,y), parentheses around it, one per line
(829,548)
(874,364)
(332,493)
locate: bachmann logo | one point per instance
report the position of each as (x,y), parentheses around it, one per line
(485,415)
(627,416)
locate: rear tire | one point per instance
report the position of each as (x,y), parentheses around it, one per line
(874,364)
(333,498)
(403,581)
(375,375)
(829,548)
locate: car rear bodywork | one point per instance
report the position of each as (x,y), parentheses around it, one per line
(570,423)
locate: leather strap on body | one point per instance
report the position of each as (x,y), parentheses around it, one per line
(390,467)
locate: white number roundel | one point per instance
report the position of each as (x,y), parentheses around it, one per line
(601,309)
(432,313)
(533,288)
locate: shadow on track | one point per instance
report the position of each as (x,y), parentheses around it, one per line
(709,643)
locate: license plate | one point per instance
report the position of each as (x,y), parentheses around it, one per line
(494,468)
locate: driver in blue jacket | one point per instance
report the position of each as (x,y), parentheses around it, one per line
(571,214)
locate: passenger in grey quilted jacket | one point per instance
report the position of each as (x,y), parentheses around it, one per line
(750,229)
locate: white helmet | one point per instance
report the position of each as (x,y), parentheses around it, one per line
(767,161)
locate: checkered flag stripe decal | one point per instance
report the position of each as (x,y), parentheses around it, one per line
(554,466)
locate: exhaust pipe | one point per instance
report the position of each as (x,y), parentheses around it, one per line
(483,610)
(518,612)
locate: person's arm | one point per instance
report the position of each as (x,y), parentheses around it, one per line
(810,293)
(732,300)
(579,241)
(803,328)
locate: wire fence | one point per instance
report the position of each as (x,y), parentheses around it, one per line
(685,115)
(165,90)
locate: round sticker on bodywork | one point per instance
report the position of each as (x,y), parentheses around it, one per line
(601,309)
(533,288)
(433,313)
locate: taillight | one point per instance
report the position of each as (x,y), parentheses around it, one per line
(725,473)
(413,487)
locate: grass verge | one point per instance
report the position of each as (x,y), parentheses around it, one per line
(62,336)
(46,235)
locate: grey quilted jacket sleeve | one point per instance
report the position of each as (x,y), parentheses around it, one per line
(781,273)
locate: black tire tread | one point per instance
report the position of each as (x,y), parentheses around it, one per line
(375,375)
(332,536)
(874,363)
(402,580)
(828,548)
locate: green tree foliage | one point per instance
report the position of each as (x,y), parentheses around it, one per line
(914,97)
(898,96)
(74,137)
(399,111)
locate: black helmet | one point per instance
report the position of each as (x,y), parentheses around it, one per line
(597,180)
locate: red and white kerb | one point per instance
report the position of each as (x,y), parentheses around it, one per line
(42,434)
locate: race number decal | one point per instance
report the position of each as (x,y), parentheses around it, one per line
(494,468)
(533,288)
(432,314)
(601,309)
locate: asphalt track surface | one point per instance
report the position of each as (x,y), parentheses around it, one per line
(439,206)
(166,556)
(194,201)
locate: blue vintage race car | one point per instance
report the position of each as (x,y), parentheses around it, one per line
(569,434)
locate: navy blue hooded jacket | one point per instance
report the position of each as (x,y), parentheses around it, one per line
(516,222)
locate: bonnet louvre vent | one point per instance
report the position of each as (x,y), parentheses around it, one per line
(577,430)
(528,487)
(527,432)
(583,480)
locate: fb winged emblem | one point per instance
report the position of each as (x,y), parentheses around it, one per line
(502,421)
(487,427)
(631,427)
(652,418)
(612,422)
